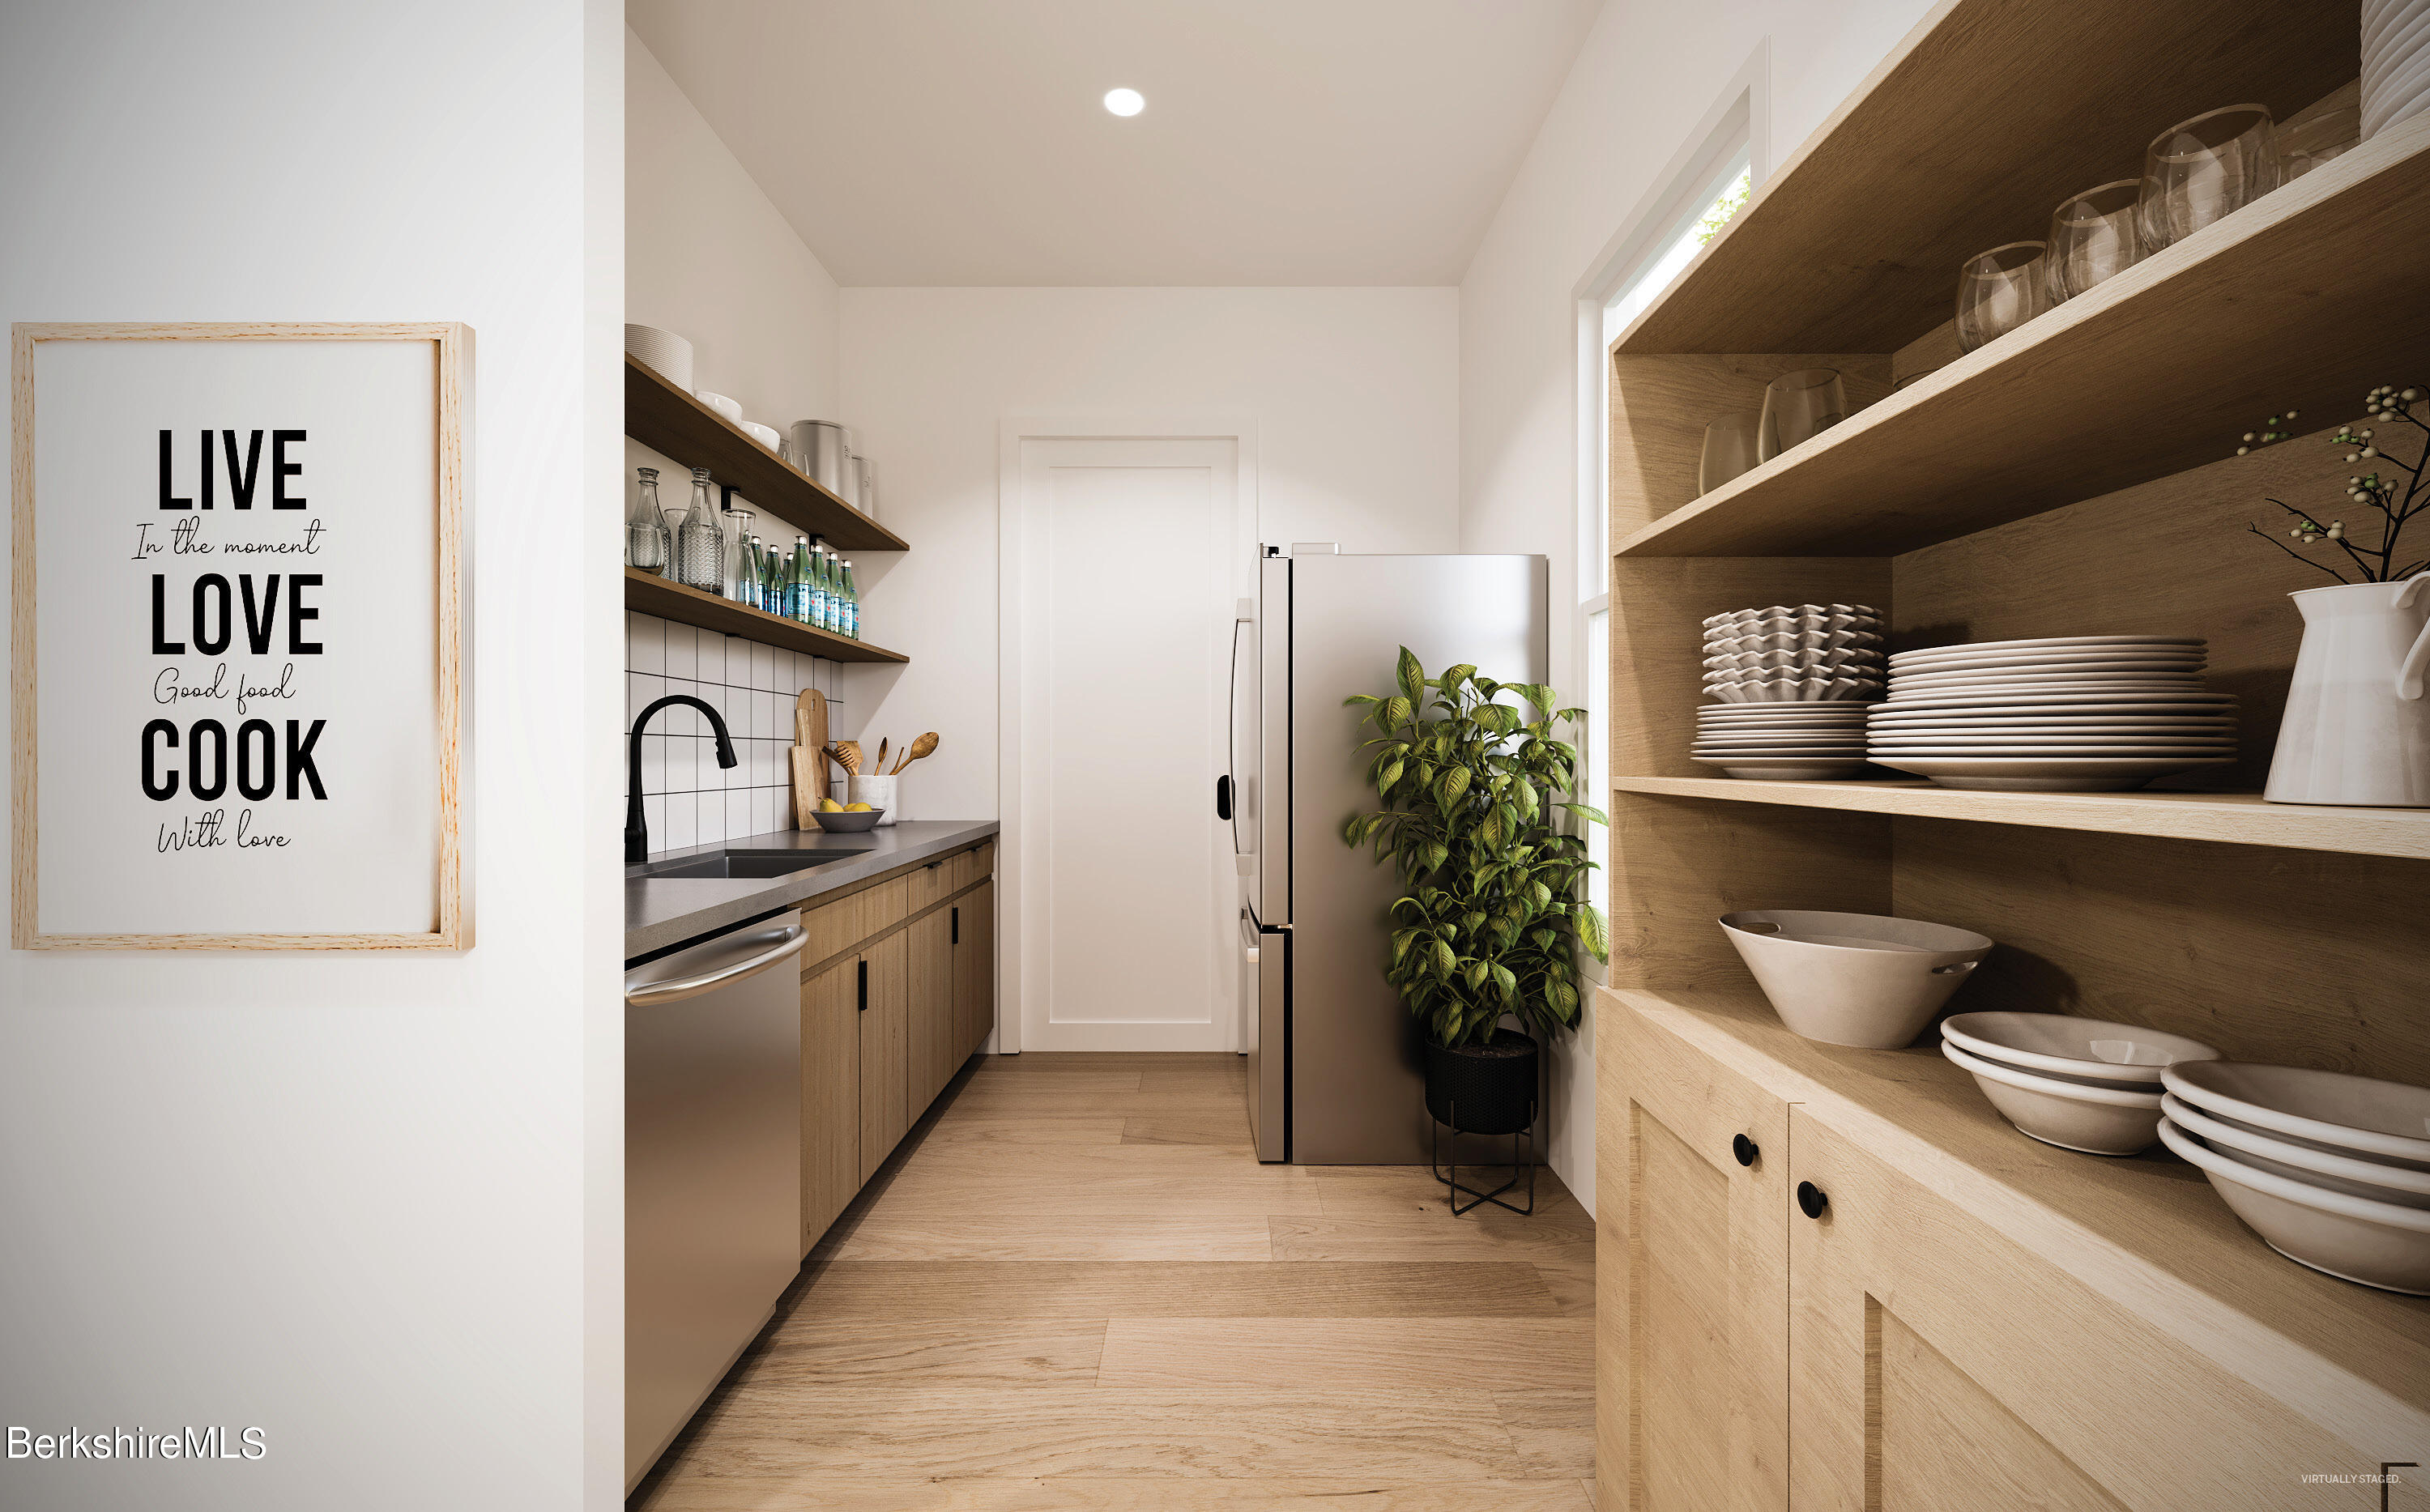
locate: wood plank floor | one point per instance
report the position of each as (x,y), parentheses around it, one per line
(1076,1289)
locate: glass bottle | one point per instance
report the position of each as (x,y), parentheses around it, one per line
(822,589)
(738,524)
(772,592)
(645,528)
(797,600)
(851,603)
(746,572)
(700,544)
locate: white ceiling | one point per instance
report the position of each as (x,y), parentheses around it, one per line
(1285,141)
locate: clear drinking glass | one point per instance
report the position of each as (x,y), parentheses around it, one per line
(2207,168)
(2304,146)
(645,527)
(2000,290)
(1730,445)
(700,542)
(2093,236)
(1798,407)
(738,535)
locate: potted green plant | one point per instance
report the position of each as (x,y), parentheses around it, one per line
(1489,922)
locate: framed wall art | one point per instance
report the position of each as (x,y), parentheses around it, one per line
(237,637)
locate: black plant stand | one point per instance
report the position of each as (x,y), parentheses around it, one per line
(1524,1138)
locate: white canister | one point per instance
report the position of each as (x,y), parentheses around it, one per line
(877,792)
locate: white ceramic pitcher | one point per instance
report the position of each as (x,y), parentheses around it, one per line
(2357,729)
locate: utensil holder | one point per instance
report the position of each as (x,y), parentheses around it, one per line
(877,792)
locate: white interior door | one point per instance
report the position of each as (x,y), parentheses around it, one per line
(1127,573)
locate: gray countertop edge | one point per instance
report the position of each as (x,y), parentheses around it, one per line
(662,911)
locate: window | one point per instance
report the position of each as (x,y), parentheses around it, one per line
(1717,195)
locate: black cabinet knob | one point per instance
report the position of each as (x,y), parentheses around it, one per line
(1811,1199)
(1744,1149)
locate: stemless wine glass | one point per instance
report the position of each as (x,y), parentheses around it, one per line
(2206,168)
(2092,236)
(2304,146)
(1730,449)
(2000,290)
(1798,407)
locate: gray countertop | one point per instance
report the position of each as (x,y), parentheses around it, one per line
(662,911)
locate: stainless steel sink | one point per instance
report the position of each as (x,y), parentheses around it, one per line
(750,863)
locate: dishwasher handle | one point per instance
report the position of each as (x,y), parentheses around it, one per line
(789,943)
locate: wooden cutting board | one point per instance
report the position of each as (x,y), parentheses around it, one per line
(810,766)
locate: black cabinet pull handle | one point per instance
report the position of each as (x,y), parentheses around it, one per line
(864,986)
(1811,1199)
(957,925)
(1223,797)
(1744,1149)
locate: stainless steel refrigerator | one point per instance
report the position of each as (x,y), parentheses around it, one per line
(1334,1069)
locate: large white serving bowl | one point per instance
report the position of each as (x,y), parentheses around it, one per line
(2347,1115)
(2318,1168)
(2065,1046)
(2098,1120)
(2354,1239)
(1853,978)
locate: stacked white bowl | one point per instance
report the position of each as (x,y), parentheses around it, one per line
(1795,653)
(2080,1084)
(663,353)
(1792,680)
(2332,1171)
(2067,713)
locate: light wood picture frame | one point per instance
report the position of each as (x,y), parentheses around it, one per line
(165,672)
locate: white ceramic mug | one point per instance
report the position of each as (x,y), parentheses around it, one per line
(877,792)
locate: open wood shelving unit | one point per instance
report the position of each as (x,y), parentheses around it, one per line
(665,419)
(2074,477)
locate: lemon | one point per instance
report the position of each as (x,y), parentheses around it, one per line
(828,806)
(856,808)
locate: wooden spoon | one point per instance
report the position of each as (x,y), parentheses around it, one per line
(880,764)
(847,754)
(922,746)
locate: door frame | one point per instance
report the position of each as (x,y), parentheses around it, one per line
(1016,617)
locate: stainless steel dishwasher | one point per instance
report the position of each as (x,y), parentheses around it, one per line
(712,1167)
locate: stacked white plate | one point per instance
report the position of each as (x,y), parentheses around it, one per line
(1788,742)
(2395,62)
(2070,713)
(1795,653)
(2332,1171)
(663,353)
(2080,1084)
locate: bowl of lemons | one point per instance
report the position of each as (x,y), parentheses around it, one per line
(846,819)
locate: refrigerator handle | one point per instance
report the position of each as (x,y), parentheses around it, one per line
(1223,796)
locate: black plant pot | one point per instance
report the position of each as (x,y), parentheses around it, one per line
(1487,1089)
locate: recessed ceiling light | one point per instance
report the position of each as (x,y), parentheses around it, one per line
(1125,102)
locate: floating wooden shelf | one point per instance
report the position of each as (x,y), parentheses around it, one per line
(1967,137)
(2303,299)
(665,419)
(2236,818)
(648,593)
(2147,1227)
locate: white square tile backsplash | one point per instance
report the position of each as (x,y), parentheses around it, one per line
(687,798)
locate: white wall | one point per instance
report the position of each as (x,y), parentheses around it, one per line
(1353,392)
(1646,76)
(347,1198)
(708,256)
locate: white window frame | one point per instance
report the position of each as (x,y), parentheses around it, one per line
(1732,137)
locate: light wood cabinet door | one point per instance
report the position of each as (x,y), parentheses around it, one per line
(883,991)
(830,1096)
(931,882)
(933,1006)
(972,929)
(1701,1415)
(1938,1363)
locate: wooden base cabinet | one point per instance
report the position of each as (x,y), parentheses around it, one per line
(1809,1308)
(972,925)
(884,989)
(935,1042)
